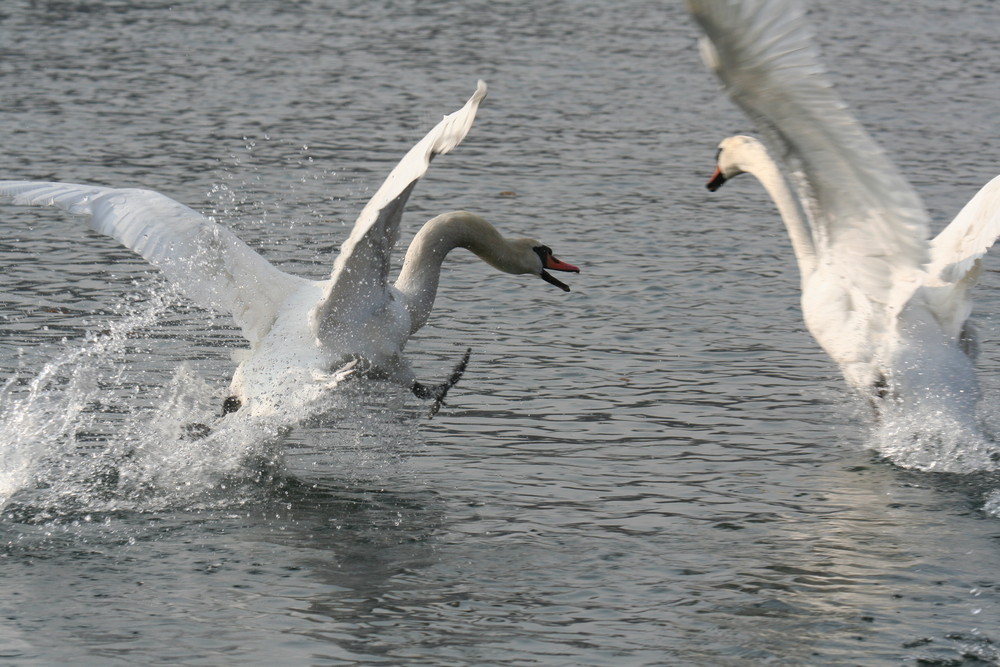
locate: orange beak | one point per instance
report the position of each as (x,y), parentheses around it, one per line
(559,265)
(550,262)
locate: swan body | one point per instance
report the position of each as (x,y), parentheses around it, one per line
(887,305)
(306,336)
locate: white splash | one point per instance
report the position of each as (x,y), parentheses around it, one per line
(991,505)
(42,419)
(70,438)
(933,440)
(75,438)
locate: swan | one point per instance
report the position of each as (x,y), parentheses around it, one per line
(307,336)
(889,306)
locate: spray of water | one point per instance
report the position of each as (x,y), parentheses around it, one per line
(42,418)
(75,436)
(991,506)
(934,441)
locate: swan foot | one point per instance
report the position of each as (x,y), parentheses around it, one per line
(198,431)
(880,392)
(195,431)
(439,391)
(352,367)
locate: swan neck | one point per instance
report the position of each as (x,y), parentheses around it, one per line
(421,272)
(760,165)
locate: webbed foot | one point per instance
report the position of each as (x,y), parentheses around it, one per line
(195,431)
(231,405)
(439,391)
(355,366)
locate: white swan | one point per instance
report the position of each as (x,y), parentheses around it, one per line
(305,335)
(886,304)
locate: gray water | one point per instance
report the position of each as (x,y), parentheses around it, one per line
(659,467)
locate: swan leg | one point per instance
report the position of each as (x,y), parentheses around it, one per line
(880,392)
(439,391)
(354,366)
(968,341)
(874,404)
(231,405)
(197,430)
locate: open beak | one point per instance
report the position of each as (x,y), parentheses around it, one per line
(551,262)
(716,181)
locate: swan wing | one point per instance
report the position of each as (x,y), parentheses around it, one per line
(360,276)
(210,265)
(956,255)
(955,251)
(867,220)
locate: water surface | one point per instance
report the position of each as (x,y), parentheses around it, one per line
(659,467)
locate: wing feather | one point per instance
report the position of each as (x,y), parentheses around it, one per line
(963,242)
(956,255)
(867,220)
(360,275)
(210,265)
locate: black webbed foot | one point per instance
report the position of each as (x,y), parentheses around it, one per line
(231,405)
(880,392)
(439,391)
(195,431)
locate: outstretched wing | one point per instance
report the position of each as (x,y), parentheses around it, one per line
(361,272)
(955,257)
(867,219)
(960,245)
(207,262)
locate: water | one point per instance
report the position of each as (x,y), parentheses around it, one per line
(660,467)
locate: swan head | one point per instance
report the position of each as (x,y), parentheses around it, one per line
(733,158)
(531,256)
(462,229)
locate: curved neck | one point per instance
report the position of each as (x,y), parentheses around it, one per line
(758,163)
(418,279)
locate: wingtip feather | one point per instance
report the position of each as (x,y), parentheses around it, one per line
(709,55)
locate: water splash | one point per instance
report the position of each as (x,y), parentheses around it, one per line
(41,418)
(934,440)
(991,505)
(78,437)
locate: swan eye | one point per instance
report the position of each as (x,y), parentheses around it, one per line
(543,252)
(718,154)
